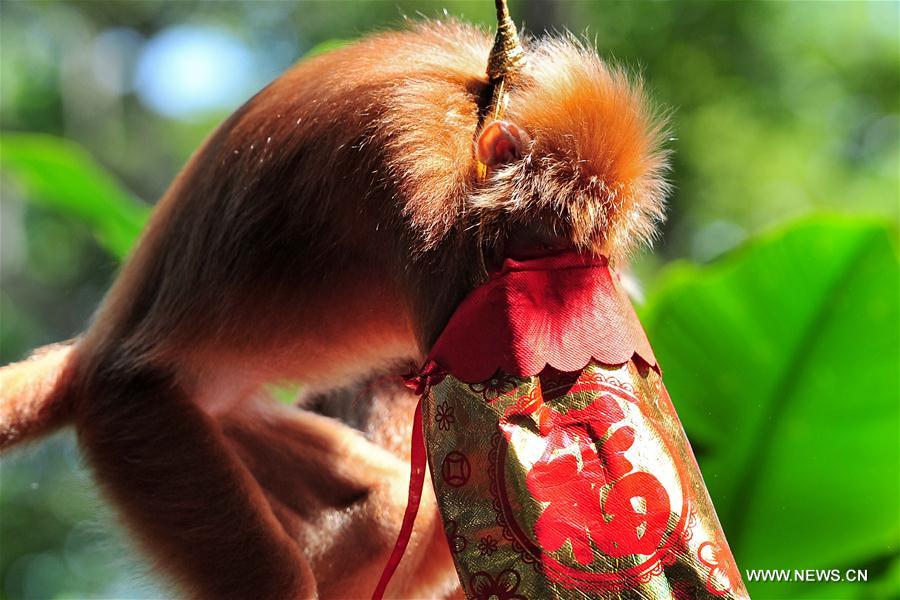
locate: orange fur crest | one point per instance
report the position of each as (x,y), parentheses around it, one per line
(595,162)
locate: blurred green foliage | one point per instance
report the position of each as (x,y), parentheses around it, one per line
(781,353)
(62,176)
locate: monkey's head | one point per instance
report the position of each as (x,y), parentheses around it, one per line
(579,164)
(571,158)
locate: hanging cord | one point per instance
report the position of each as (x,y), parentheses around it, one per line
(506,60)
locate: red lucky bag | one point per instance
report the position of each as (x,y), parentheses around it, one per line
(559,465)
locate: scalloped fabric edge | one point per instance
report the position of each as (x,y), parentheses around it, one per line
(560,311)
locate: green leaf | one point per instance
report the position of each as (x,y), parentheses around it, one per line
(62,175)
(326,46)
(782,360)
(285,392)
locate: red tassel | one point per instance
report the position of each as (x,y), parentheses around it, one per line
(416,481)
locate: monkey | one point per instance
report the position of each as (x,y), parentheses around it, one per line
(324,233)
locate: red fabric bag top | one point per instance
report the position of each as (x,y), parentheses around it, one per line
(559,311)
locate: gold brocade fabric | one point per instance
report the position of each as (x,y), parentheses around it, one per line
(573,485)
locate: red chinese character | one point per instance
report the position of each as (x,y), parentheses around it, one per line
(571,474)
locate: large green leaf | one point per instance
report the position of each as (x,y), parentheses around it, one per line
(62,175)
(782,360)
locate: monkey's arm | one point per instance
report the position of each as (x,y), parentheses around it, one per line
(341,493)
(167,465)
(32,395)
(184,490)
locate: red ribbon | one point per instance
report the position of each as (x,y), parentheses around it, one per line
(560,311)
(416,481)
(425,378)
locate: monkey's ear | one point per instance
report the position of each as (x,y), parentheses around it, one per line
(501,142)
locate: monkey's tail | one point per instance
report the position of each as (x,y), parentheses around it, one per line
(33,394)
